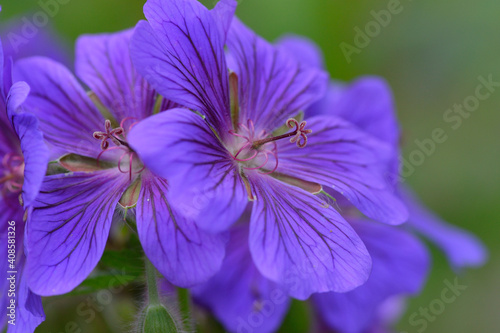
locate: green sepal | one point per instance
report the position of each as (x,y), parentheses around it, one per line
(78,163)
(157,319)
(158,103)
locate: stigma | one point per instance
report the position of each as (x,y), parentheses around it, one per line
(259,151)
(298,136)
(128,162)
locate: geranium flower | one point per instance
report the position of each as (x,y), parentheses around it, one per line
(45,41)
(23,161)
(245,301)
(400,267)
(72,216)
(368,104)
(240,152)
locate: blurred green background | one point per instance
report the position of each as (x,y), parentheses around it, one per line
(432,53)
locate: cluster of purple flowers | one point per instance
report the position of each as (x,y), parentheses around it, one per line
(252,176)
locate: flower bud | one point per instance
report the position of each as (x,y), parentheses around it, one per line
(157,319)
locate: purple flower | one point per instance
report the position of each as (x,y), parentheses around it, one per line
(240,150)
(239,296)
(400,267)
(23,39)
(462,248)
(368,103)
(23,158)
(72,216)
(245,301)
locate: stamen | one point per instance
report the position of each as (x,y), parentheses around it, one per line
(130,165)
(275,165)
(252,148)
(266,156)
(7,178)
(120,162)
(105,150)
(233,96)
(121,143)
(238,135)
(246,145)
(122,123)
(248,187)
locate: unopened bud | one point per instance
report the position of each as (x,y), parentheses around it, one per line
(157,319)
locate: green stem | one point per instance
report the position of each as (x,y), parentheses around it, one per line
(184,300)
(152,283)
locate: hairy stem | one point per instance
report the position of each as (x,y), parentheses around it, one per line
(152,283)
(184,300)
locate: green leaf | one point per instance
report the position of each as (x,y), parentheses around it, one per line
(298,318)
(128,260)
(114,281)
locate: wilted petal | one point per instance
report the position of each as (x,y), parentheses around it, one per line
(184,254)
(239,296)
(462,248)
(302,244)
(344,158)
(273,86)
(400,266)
(68,228)
(179,146)
(103,62)
(181,53)
(67,116)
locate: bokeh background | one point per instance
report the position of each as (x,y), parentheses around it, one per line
(432,54)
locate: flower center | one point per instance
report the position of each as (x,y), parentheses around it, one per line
(12,179)
(259,151)
(128,161)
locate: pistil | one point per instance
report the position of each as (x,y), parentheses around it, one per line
(111,134)
(121,144)
(299,135)
(254,147)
